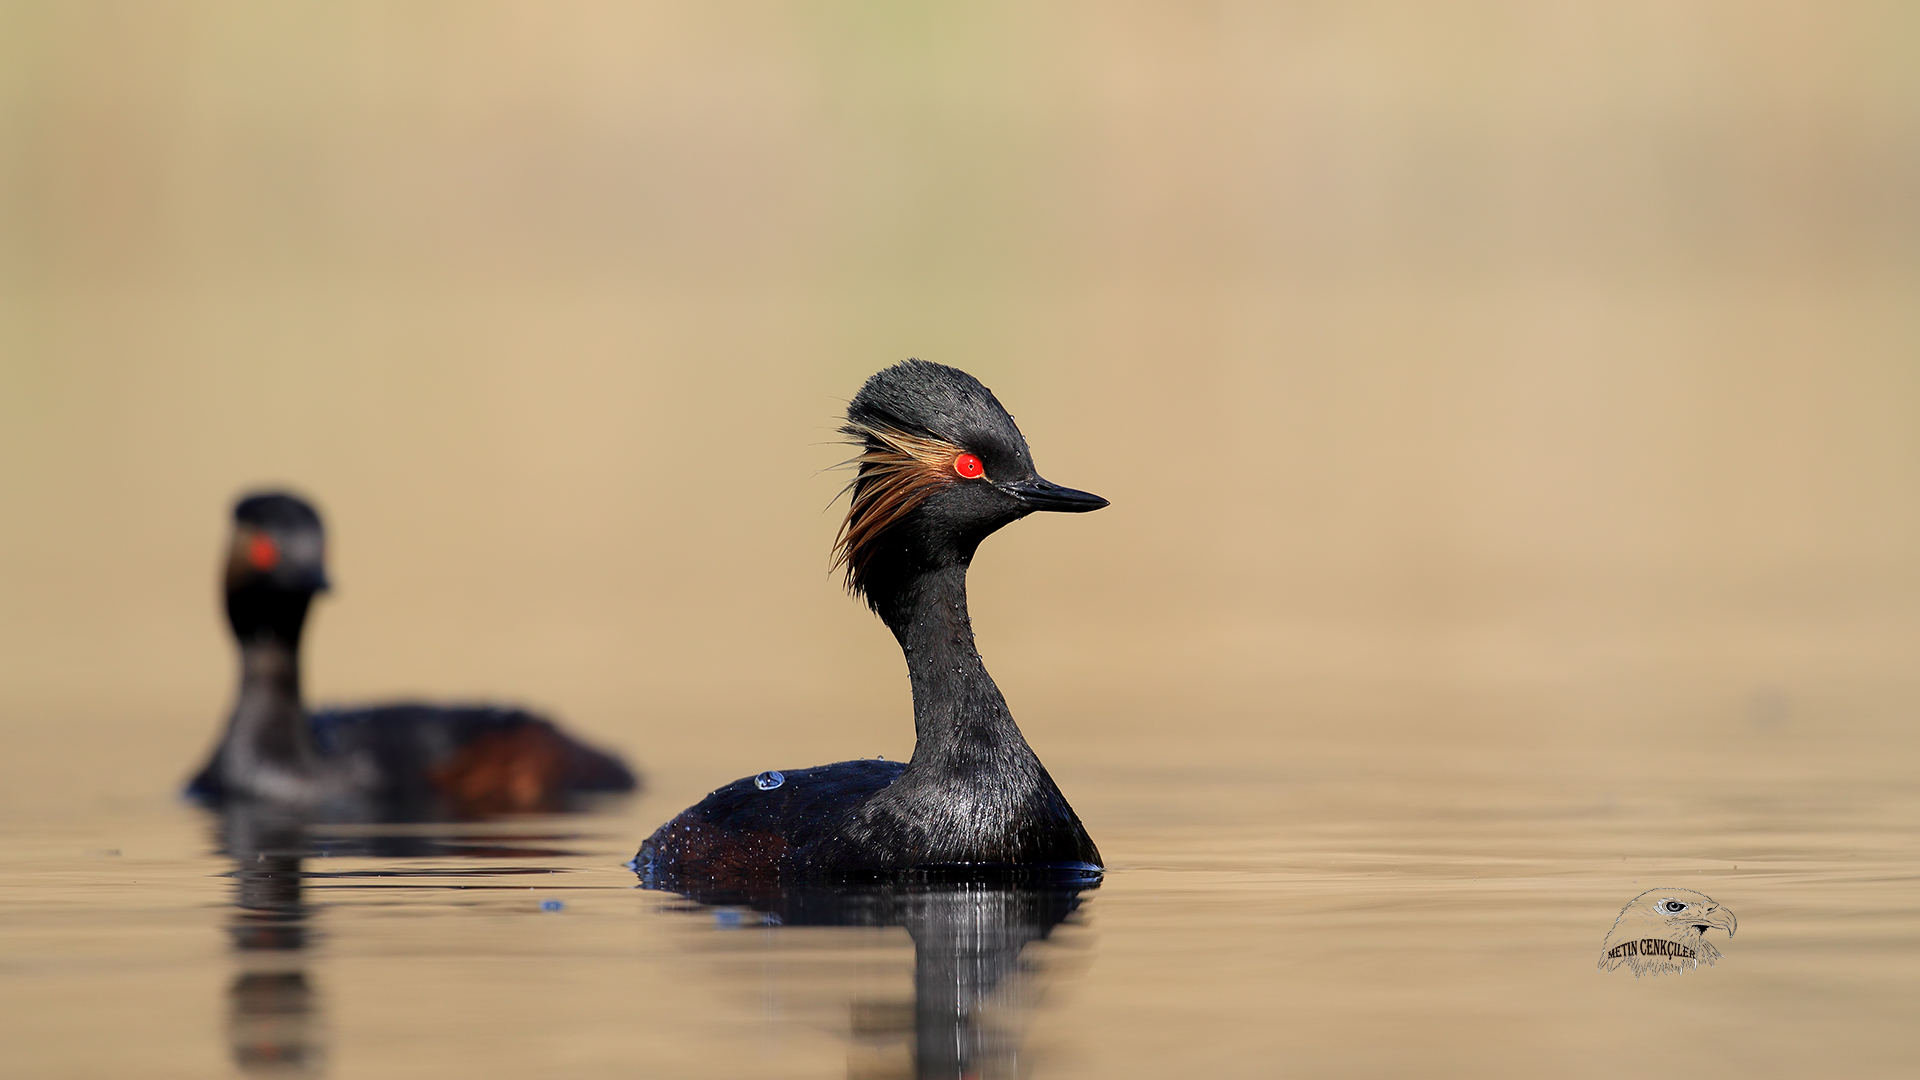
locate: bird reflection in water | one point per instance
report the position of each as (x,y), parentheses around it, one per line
(968,940)
(274,1023)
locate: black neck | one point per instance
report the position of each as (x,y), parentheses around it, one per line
(974,791)
(270,675)
(268,748)
(959,716)
(260,612)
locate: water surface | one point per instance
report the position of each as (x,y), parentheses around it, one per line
(1358,911)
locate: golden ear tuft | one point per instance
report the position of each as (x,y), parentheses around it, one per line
(898,471)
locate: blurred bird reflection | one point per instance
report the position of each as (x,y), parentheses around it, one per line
(274,1023)
(968,970)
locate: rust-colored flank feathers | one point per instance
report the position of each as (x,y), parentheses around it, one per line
(898,471)
(515,770)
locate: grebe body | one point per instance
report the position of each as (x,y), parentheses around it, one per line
(941,466)
(403,760)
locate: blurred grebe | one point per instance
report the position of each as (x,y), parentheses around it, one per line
(396,760)
(942,466)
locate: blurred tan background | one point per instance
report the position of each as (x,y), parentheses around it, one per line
(1530,369)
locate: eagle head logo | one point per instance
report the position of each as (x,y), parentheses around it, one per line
(1664,930)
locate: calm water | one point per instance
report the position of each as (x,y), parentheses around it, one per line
(1359,910)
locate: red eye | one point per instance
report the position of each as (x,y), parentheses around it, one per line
(969,466)
(263,553)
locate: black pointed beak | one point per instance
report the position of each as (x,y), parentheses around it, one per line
(307,579)
(1041,494)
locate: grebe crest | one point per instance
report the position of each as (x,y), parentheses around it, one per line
(941,466)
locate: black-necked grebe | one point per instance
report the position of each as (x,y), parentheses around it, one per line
(403,759)
(941,467)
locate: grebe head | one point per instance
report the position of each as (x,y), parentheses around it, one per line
(276,562)
(942,466)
